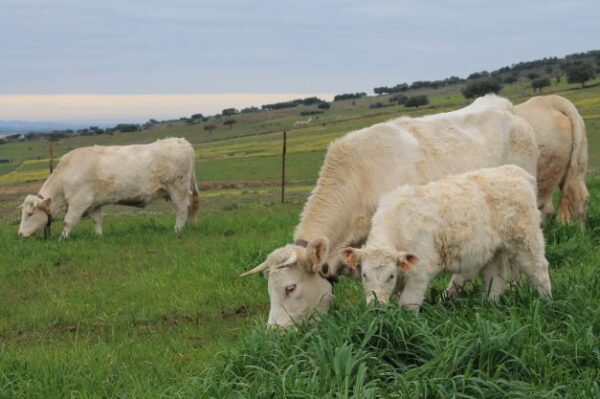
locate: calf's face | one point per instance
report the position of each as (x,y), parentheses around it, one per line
(296,289)
(34,215)
(382,270)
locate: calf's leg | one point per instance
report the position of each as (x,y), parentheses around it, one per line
(495,275)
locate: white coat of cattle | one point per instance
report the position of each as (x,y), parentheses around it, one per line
(364,165)
(459,225)
(561,137)
(87,178)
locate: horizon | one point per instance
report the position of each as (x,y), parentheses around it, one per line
(107,109)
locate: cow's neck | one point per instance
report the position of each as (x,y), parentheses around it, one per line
(55,193)
(335,217)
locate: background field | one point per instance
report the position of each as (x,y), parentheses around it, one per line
(144,312)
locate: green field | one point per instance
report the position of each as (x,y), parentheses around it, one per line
(142,312)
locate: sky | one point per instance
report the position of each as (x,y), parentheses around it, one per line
(259,48)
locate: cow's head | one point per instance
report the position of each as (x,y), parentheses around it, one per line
(35,213)
(296,286)
(382,269)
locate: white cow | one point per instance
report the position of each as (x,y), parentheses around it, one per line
(561,136)
(364,165)
(87,178)
(460,224)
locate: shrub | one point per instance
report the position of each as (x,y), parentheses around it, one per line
(416,101)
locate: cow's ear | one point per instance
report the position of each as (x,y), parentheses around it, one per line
(351,257)
(45,204)
(316,251)
(406,260)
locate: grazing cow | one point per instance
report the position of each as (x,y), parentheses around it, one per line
(364,165)
(459,224)
(561,137)
(87,178)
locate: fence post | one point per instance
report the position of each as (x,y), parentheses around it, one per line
(283,151)
(50,156)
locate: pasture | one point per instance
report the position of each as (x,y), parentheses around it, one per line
(142,312)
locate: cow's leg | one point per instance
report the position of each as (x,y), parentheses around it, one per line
(96,216)
(74,214)
(181,201)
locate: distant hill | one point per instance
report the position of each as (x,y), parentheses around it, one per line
(7,127)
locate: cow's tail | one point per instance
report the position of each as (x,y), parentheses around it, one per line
(195,200)
(574,192)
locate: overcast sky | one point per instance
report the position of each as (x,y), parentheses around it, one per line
(200,47)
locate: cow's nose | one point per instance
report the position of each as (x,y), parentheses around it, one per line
(20,234)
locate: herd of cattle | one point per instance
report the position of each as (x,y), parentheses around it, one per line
(395,205)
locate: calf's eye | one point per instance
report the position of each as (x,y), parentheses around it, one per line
(390,277)
(289,289)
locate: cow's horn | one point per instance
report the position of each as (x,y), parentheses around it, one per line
(257,269)
(290,261)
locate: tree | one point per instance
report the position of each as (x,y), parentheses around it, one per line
(416,101)
(510,79)
(349,96)
(324,105)
(580,73)
(533,75)
(210,127)
(250,110)
(540,83)
(229,111)
(229,122)
(480,88)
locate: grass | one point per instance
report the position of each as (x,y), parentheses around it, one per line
(142,312)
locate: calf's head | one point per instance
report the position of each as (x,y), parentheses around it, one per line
(35,212)
(382,269)
(296,287)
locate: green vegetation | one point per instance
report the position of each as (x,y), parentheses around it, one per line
(142,312)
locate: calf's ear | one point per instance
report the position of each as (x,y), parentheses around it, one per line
(351,257)
(406,260)
(316,251)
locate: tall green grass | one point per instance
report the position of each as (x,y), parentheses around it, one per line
(520,347)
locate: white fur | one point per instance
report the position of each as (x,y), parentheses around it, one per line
(364,165)
(561,136)
(87,178)
(463,224)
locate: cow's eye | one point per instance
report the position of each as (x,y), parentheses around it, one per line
(289,289)
(390,277)
(364,276)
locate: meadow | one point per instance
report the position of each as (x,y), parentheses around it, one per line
(143,312)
